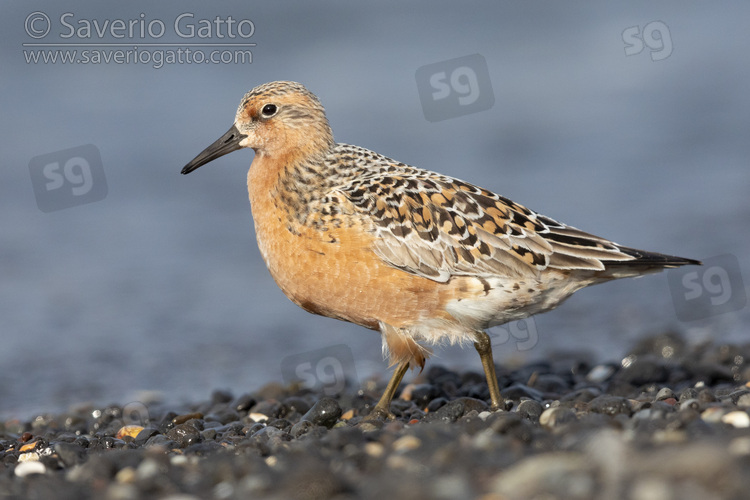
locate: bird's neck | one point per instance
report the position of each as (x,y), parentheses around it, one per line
(287,183)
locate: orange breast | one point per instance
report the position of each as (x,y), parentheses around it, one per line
(343,279)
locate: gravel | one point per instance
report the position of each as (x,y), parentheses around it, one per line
(670,421)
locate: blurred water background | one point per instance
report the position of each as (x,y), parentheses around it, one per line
(160,286)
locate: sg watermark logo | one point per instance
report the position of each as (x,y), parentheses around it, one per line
(454,88)
(135,413)
(67,178)
(523,332)
(714,288)
(655,35)
(324,370)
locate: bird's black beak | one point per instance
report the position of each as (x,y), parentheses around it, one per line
(225,144)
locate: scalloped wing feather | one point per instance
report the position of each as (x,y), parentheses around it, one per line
(436,227)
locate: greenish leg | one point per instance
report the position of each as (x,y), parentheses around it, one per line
(483,345)
(381,411)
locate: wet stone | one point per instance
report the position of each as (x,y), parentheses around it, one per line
(583,395)
(271,408)
(530,409)
(272,438)
(296,405)
(400,407)
(181,419)
(301,427)
(231,429)
(249,430)
(455,409)
(520,391)
(610,405)
(664,393)
(161,441)
(502,421)
(203,448)
(208,434)
(423,394)
(436,404)
(165,422)
(223,416)
(551,383)
(184,435)
(555,417)
(70,454)
(280,423)
(325,412)
(243,403)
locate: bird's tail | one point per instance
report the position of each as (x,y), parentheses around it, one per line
(643,262)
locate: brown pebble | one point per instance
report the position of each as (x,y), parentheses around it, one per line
(406,392)
(348,415)
(28,447)
(181,419)
(129,431)
(26,436)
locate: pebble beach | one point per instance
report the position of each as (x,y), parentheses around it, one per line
(667,420)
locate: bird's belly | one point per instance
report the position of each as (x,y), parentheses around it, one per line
(496,300)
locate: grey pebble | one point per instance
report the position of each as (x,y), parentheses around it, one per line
(455,409)
(664,393)
(301,427)
(551,383)
(145,435)
(610,405)
(558,416)
(70,453)
(520,391)
(243,403)
(530,409)
(325,412)
(184,435)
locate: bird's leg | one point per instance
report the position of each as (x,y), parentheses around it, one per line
(483,345)
(381,410)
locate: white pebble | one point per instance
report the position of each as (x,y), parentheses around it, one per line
(600,373)
(30,456)
(374,449)
(737,419)
(406,443)
(713,414)
(23,469)
(149,468)
(178,460)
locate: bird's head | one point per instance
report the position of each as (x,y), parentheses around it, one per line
(280,120)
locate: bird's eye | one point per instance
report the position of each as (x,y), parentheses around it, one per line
(269,110)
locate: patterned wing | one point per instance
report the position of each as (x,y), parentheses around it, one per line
(437,227)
